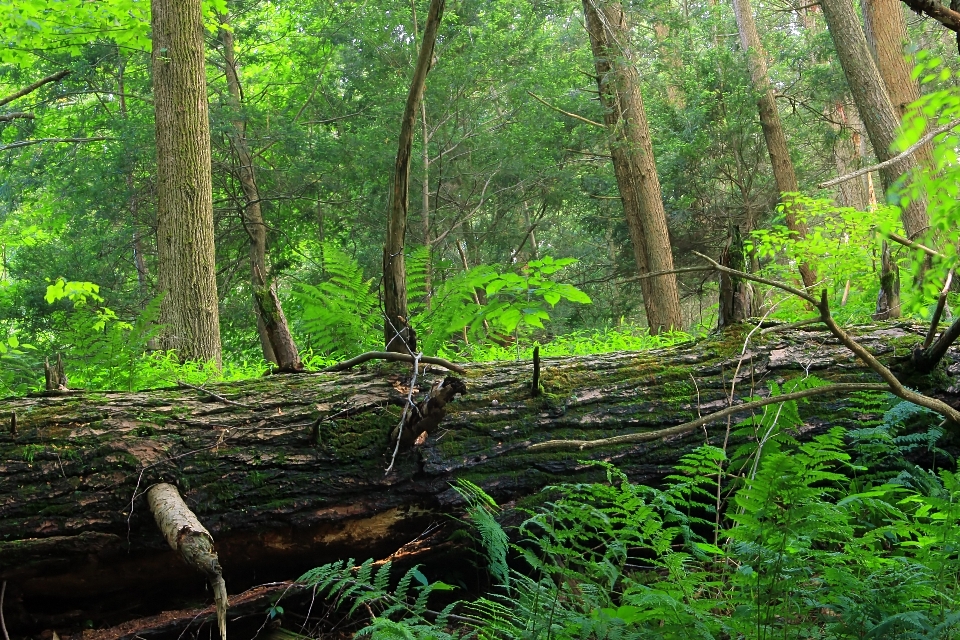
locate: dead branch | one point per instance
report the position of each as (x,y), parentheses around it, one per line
(933,8)
(693,425)
(941,304)
(907,242)
(397,357)
(895,159)
(7,117)
(28,143)
(566,113)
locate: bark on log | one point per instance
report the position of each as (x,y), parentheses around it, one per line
(287,472)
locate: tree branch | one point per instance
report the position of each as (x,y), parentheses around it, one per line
(27,143)
(398,357)
(895,159)
(33,87)
(947,17)
(693,425)
(566,113)
(7,117)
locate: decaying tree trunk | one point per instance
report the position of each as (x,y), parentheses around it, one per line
(287,472)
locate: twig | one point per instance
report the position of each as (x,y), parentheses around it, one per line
(566,113)
(749,276)
(214,395)
(941,303)
(687,427)
(406,410)
(644,276)
(535,387)
(397,357)
(895,159)
(788,327)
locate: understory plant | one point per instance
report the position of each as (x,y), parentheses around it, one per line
(795,550)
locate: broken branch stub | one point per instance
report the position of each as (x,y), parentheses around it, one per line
(191,540)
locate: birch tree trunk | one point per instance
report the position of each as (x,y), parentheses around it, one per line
(633,161)
(185,245)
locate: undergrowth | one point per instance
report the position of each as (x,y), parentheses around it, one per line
(815,539)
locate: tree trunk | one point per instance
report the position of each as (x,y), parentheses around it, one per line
(275,340)
(873,103)
(633,161)
(287,473)
(398,335)
(187,275)
(847,157)
(773,132)
(736,294)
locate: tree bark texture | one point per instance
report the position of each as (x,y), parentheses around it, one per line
(187,277)
(287,472)
(873,103)
(397,334)
(633,161)
(276,342)
(773,131)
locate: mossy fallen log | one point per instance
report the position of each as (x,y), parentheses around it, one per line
(287,472)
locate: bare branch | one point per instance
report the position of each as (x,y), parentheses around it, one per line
(895,159)
(748,276)
(33,87)
(566,113)
(693,425)
(907,242)
(398,357)
(947,17)
(7,117)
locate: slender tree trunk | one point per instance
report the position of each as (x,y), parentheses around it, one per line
(398,335)
(133,202)
(275,340)
(633,161)
(185,245)
(425,180)
(873,103)
(773,132)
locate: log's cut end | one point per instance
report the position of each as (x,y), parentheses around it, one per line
(191,540)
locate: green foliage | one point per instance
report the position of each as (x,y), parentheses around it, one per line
(842,244)
(342,314)
(800,552)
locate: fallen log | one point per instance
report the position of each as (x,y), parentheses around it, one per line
(288,472)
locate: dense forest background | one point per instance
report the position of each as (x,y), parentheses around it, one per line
(498,178)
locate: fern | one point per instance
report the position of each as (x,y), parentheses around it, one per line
(340,314)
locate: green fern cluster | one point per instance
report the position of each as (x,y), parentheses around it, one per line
(776,541)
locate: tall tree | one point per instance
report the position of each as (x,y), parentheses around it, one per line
(873,103)
(633,160)
(397,332)
(185,246)
(275,340)
(773,132)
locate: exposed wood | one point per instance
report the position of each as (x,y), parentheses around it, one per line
(189,538)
